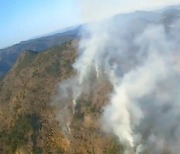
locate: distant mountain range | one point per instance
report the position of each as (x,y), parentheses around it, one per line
(9,55)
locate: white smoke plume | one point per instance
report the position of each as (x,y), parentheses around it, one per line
(140,57)
(139,54)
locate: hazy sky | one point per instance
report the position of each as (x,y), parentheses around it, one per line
(24,19)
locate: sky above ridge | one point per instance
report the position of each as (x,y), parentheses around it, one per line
(25,19)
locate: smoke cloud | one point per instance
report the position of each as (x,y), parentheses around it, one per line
(141,62)
(139,54)
(99,9)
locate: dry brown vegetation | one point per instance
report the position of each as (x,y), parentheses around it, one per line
(28,121)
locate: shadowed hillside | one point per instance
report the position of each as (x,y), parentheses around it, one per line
(9,55)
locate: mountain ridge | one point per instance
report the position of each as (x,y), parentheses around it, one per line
(9,55)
